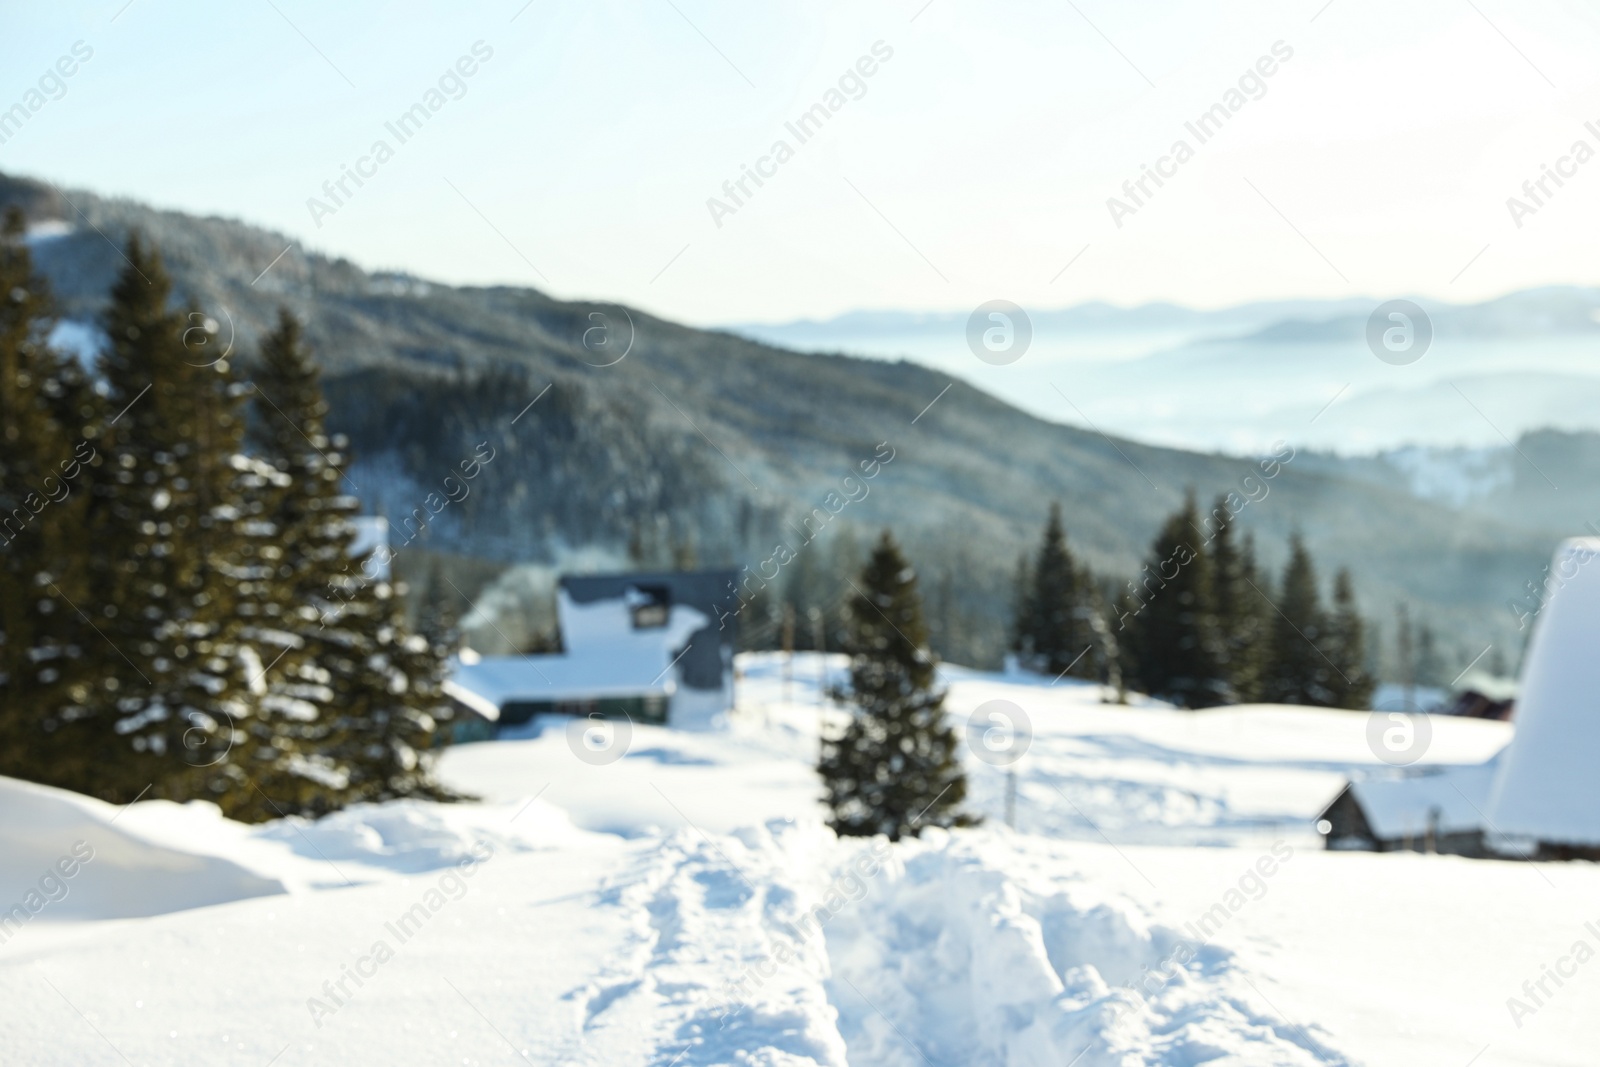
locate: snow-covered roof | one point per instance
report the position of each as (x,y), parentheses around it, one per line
(493,681)
(607,657)
(1548,788)
(1403,807)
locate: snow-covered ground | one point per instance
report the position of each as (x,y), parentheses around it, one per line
(1162,899)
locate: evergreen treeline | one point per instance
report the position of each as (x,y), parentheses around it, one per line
(1200,625)
(180,616)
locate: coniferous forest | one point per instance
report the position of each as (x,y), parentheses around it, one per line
(182,615)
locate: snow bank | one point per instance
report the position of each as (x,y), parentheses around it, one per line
(951,961)
(116,871)
(155,856)
(412,836)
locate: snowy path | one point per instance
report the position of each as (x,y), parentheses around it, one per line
(699,983)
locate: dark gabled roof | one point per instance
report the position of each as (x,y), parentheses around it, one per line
(708,591)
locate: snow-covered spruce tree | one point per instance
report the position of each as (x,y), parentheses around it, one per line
(405,722)
(49,420)
(1350,682)
(167,522)
(301,546)
(895,769)
(351,698)
(1297,671)
(388,693)
(1058,632)
(1179,649)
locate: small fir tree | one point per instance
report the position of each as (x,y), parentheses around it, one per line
(895,769)
(1350,683)
(1057,633)
(1241,627)
(1180,651)
(1297,669)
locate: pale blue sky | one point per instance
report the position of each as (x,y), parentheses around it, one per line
(976,165)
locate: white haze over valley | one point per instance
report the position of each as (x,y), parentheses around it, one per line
(1230,380)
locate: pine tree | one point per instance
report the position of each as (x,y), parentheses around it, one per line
(1350,683)
(167,520)
(1057,633)
(1297,671)
(896,768)
(49,422)
(1240,625)
(1179,649)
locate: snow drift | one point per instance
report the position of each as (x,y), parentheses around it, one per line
(115,872)
(1547,790)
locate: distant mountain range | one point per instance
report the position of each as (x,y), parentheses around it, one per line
(1238,378)
(726,443)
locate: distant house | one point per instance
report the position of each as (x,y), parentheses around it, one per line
(1539,797)
(647,646)
(1434,810)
